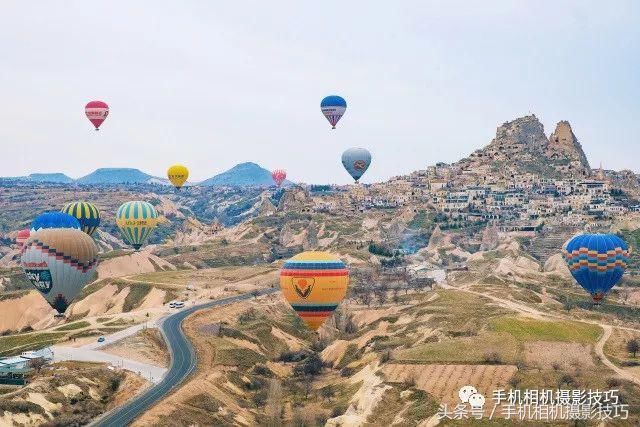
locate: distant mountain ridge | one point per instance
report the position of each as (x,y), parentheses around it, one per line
(246,174)
(58,178)
(116,176)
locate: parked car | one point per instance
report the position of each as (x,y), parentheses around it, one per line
(101,339)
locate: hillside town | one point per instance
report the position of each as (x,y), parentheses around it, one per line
(518,180)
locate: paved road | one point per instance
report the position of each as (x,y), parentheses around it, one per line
(151,372)
(183,363)
(90,352)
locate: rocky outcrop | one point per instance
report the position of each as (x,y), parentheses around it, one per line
(564,147)
(521,146)
(192,232)
(556,264)
(311,239)
(266,207)
(294,199)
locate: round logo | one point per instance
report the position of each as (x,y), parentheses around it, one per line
(359,165)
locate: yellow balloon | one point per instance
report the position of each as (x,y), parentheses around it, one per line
(314,283)
(178,175)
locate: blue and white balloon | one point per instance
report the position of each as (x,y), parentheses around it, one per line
(333,108)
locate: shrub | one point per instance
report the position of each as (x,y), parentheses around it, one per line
(292,356)
(566,380)
(311,366)
(492,358)
(347,371)
(263,370)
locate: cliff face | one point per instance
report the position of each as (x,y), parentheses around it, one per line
(521,146)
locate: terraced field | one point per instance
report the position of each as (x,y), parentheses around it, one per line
(444,381)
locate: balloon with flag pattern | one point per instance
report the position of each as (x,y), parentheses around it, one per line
(314,284)
(597,262)
(136,220)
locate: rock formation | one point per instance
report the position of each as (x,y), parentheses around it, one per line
(564,146)
(294,199)
(521,146)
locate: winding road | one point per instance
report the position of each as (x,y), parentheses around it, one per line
(183,363)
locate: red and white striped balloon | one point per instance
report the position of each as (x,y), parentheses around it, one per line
(22,237)
(97,112)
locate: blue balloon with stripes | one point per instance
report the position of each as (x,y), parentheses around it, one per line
(597,262)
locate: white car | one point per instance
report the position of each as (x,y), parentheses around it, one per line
(176,304)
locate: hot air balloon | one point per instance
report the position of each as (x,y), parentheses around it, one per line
(22,237)
(333,107)
(314,283)
(356,161)
(136,220)
(97,112)
(59,262)
(86,213)
(279,176)
(597,262)
(178,175)
(54,220)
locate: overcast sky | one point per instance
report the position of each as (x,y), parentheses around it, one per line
(214,83)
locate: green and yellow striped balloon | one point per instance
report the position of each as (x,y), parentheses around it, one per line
(136,220)
(86,213)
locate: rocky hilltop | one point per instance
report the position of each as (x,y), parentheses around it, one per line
(521,145)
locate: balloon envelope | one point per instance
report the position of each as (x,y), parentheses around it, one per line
(597,261)
(96,112)
(86,213)
(333,108)
(279,176)
(136,220)
(22,237)
(356,161)
(59,262)
(178,175)
(314,283)
(54,220)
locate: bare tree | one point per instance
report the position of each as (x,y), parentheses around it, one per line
(396,296)
(381,293)
(633,346)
